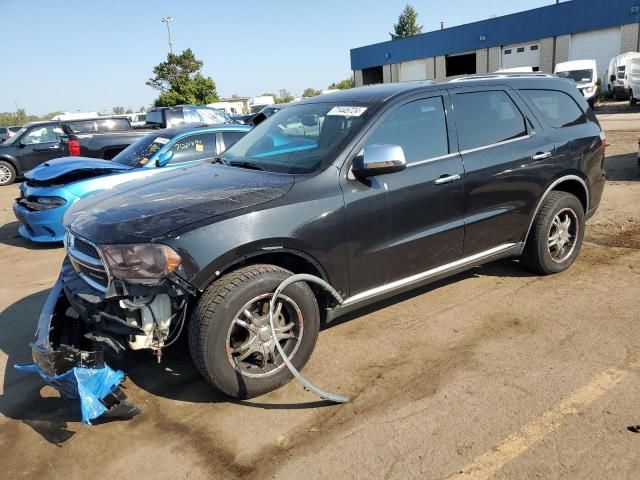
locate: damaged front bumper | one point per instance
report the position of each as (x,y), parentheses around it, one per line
(77,374)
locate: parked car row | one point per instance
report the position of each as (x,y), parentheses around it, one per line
(376,190)
(99,137)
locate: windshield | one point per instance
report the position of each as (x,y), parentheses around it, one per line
(15,138)
(578,76)
(138,153)
(300,138)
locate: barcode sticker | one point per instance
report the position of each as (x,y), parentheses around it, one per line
(347,111)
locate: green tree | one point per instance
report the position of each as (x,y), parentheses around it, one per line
(310,92)
(284,96)
(407,25)
(343,84)
(180,81)
(117,110)
(129,110)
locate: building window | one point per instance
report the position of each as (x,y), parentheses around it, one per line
(520,49)
(507,52)
(372,75)
(460,64)
(533,47)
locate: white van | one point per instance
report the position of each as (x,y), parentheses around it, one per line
(632,75)
(617,75)
(584,73)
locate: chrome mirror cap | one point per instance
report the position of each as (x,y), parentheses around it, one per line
(378,159)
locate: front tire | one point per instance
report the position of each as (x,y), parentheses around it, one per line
(230,338)
(556,234)
(632,101)
(7,173)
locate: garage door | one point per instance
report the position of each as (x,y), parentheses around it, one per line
(416,70)
(526,55)
(599,45)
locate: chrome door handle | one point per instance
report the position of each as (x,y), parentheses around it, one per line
(447,179)
(540,156)
(54,147)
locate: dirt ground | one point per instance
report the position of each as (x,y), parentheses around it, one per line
(495,373)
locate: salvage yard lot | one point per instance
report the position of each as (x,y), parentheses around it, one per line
(493,372)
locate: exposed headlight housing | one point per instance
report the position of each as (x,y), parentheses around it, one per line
(588,89)
(141,262)
(50,202)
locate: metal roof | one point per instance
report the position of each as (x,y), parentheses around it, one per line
(550,21)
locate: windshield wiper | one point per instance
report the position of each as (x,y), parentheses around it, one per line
(219,160)
(245,164)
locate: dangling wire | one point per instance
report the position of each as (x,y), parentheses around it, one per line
(303,277)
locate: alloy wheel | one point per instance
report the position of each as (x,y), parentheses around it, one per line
(5,174)
(251,349)
(563,235)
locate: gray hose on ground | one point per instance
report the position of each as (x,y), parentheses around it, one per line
(303,277)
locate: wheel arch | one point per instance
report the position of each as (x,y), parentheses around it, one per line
(573,184)
(13,161)
(293,260)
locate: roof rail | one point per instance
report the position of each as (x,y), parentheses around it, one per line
(482,76)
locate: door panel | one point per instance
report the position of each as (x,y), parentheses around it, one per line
(416,223)
(508,160)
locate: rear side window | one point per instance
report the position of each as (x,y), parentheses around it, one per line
(557,108)
(485,118)
(419,127)
(229,138)
(194,147)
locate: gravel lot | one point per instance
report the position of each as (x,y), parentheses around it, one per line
(493,373)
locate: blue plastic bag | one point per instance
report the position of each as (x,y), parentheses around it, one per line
(89,385)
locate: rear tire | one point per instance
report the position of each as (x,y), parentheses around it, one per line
(7,173)
(632,101)
(221,333)
(556,234)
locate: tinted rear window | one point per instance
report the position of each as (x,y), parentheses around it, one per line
(99,125)
(485,118)
(558,109)
(155,117)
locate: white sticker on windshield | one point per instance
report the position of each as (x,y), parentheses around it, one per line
(161,140)
(347,111)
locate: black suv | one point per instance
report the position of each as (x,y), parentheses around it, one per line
(376,190)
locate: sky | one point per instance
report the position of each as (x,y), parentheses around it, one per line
(89,55)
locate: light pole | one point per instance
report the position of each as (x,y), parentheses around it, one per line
(168,20)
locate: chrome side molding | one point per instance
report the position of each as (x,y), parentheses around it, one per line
(419,277)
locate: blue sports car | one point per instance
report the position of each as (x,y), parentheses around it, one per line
(51,188)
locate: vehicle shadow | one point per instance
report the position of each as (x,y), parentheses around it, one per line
(9,236)
(622,168)
(176,378)
(23,397)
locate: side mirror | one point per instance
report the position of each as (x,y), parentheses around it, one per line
(22,145)
(612,78)
(164,158)
(379,159)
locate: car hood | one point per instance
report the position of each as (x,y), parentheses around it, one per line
(146,209)
(71,169)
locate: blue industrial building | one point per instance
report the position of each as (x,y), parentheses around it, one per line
(538,38)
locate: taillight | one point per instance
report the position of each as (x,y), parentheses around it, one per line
(74,148)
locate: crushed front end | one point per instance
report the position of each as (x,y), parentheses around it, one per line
(89,312)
